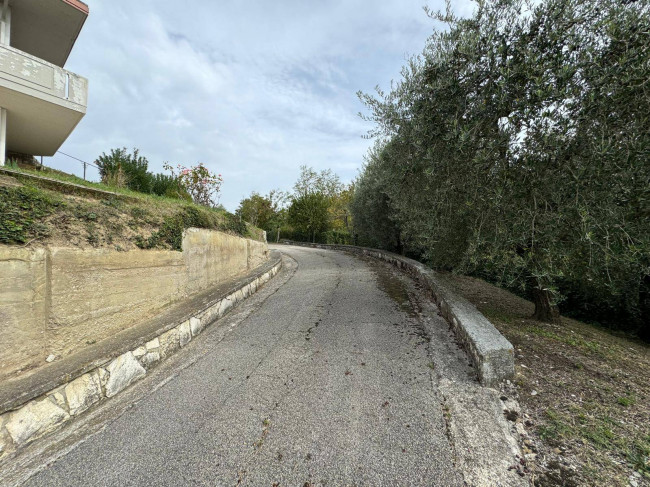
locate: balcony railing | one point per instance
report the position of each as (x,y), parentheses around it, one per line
(30,75)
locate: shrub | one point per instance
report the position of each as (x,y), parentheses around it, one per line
(340,237)
(120,168)
(169,186)
(201,184)
(171,231)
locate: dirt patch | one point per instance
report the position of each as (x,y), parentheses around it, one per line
(9,182)
(584,394)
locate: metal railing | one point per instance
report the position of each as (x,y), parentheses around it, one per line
(85,164)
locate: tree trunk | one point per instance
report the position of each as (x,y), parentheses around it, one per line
(545,310)
(400,248)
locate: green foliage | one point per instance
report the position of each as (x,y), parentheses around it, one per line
(639,456)
(199,182)
(626,401)
(21,212)
(375,222)
(169,186)
(308,214)
(265,212)
(121,169)
(310,181)
(319,209)
(515,148)
(170,233)
(336,237)
(339,210)
(133,166)
(12,164)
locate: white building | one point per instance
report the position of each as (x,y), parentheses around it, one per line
(40,102)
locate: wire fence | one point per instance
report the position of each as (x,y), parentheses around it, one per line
(85,163)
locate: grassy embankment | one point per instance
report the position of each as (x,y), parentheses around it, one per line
(41,212)
(584,393)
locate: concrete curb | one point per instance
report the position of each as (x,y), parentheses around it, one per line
(51,401)
(490,351)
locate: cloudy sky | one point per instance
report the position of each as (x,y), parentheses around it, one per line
(253,89)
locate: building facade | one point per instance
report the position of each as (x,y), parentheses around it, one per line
(40,102)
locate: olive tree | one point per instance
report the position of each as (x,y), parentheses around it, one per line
(515,148)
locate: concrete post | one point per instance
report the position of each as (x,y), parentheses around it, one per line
(3,135)
(5,38)
(8,24)
(5,24)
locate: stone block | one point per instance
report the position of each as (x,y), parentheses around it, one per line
(103,376)
(139,352)
(5,442)
(123,371)
(195,326)
(149,359)
(152,344)
(58,396)
(225,305)
(34,419)
(83,392)
(211,315)
(169,342)
(184,333)
(219,309)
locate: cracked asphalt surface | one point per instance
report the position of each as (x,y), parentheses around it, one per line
(324,377)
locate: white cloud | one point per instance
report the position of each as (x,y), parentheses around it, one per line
(252,89)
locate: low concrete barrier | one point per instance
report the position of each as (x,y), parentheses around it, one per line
(36,405)
(489,350)
(56,300)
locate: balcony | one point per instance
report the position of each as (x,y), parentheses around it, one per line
(43,102)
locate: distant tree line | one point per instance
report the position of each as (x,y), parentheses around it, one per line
(516,148)
(316,210)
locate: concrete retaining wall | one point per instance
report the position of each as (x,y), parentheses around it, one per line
(37,407)
(491,353)
(55,300)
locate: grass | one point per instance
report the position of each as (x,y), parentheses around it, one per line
(590,418)
(59,215)
(626,401)
(71,178)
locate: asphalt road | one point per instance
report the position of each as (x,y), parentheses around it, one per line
(324,377)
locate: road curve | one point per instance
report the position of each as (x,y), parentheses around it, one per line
(323,378)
